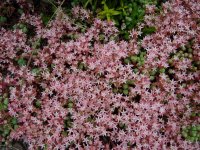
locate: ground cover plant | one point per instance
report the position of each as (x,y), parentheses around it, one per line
(100,74)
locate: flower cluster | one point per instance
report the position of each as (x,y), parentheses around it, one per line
(91,90)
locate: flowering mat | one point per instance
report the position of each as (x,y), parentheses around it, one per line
(90,75)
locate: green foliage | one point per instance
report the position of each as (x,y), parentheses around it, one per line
(3,103)
(125,13)
(70,104)
(20,11)
(2,19)
(145,2)
(21,62)
(37,104)
(46,15)
(153,72)
(36,71)
(82,66)
(152,78)
(134,58)
(148,30)
(127,60)
(135,15)
(91,119)
(21,26)
(107,12)
(68,122)
(14,121)
(45,18)
(135,70)
(123,7)
(137,60)
(191,133)
(162,70)
(5,129)
(11,122)
(195,114)
(125,92)
(122,126)
(130,82)
(125,86)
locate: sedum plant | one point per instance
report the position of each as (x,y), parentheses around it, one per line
(77,83)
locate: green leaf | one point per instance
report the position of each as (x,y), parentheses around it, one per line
(135,70)
(1,106)
(126,35)
(45,18)
(46,146)
(53,65)
(20,11)
(38,104)
(130,82)
(25,29)
(125,86)
(35,71)
(5,101)
(6,131)
(125,92)
(21,62)
(162,70)
(115,90)
(107,13)
(14,121)
(191,133)
(152,78)
(5,107)
(134,58)
(108,17)
(127,61)
(15,126)
(21,25)
(3,19)
(86,4)
(148,30)
(70,105)
(105,7)
(114,12)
